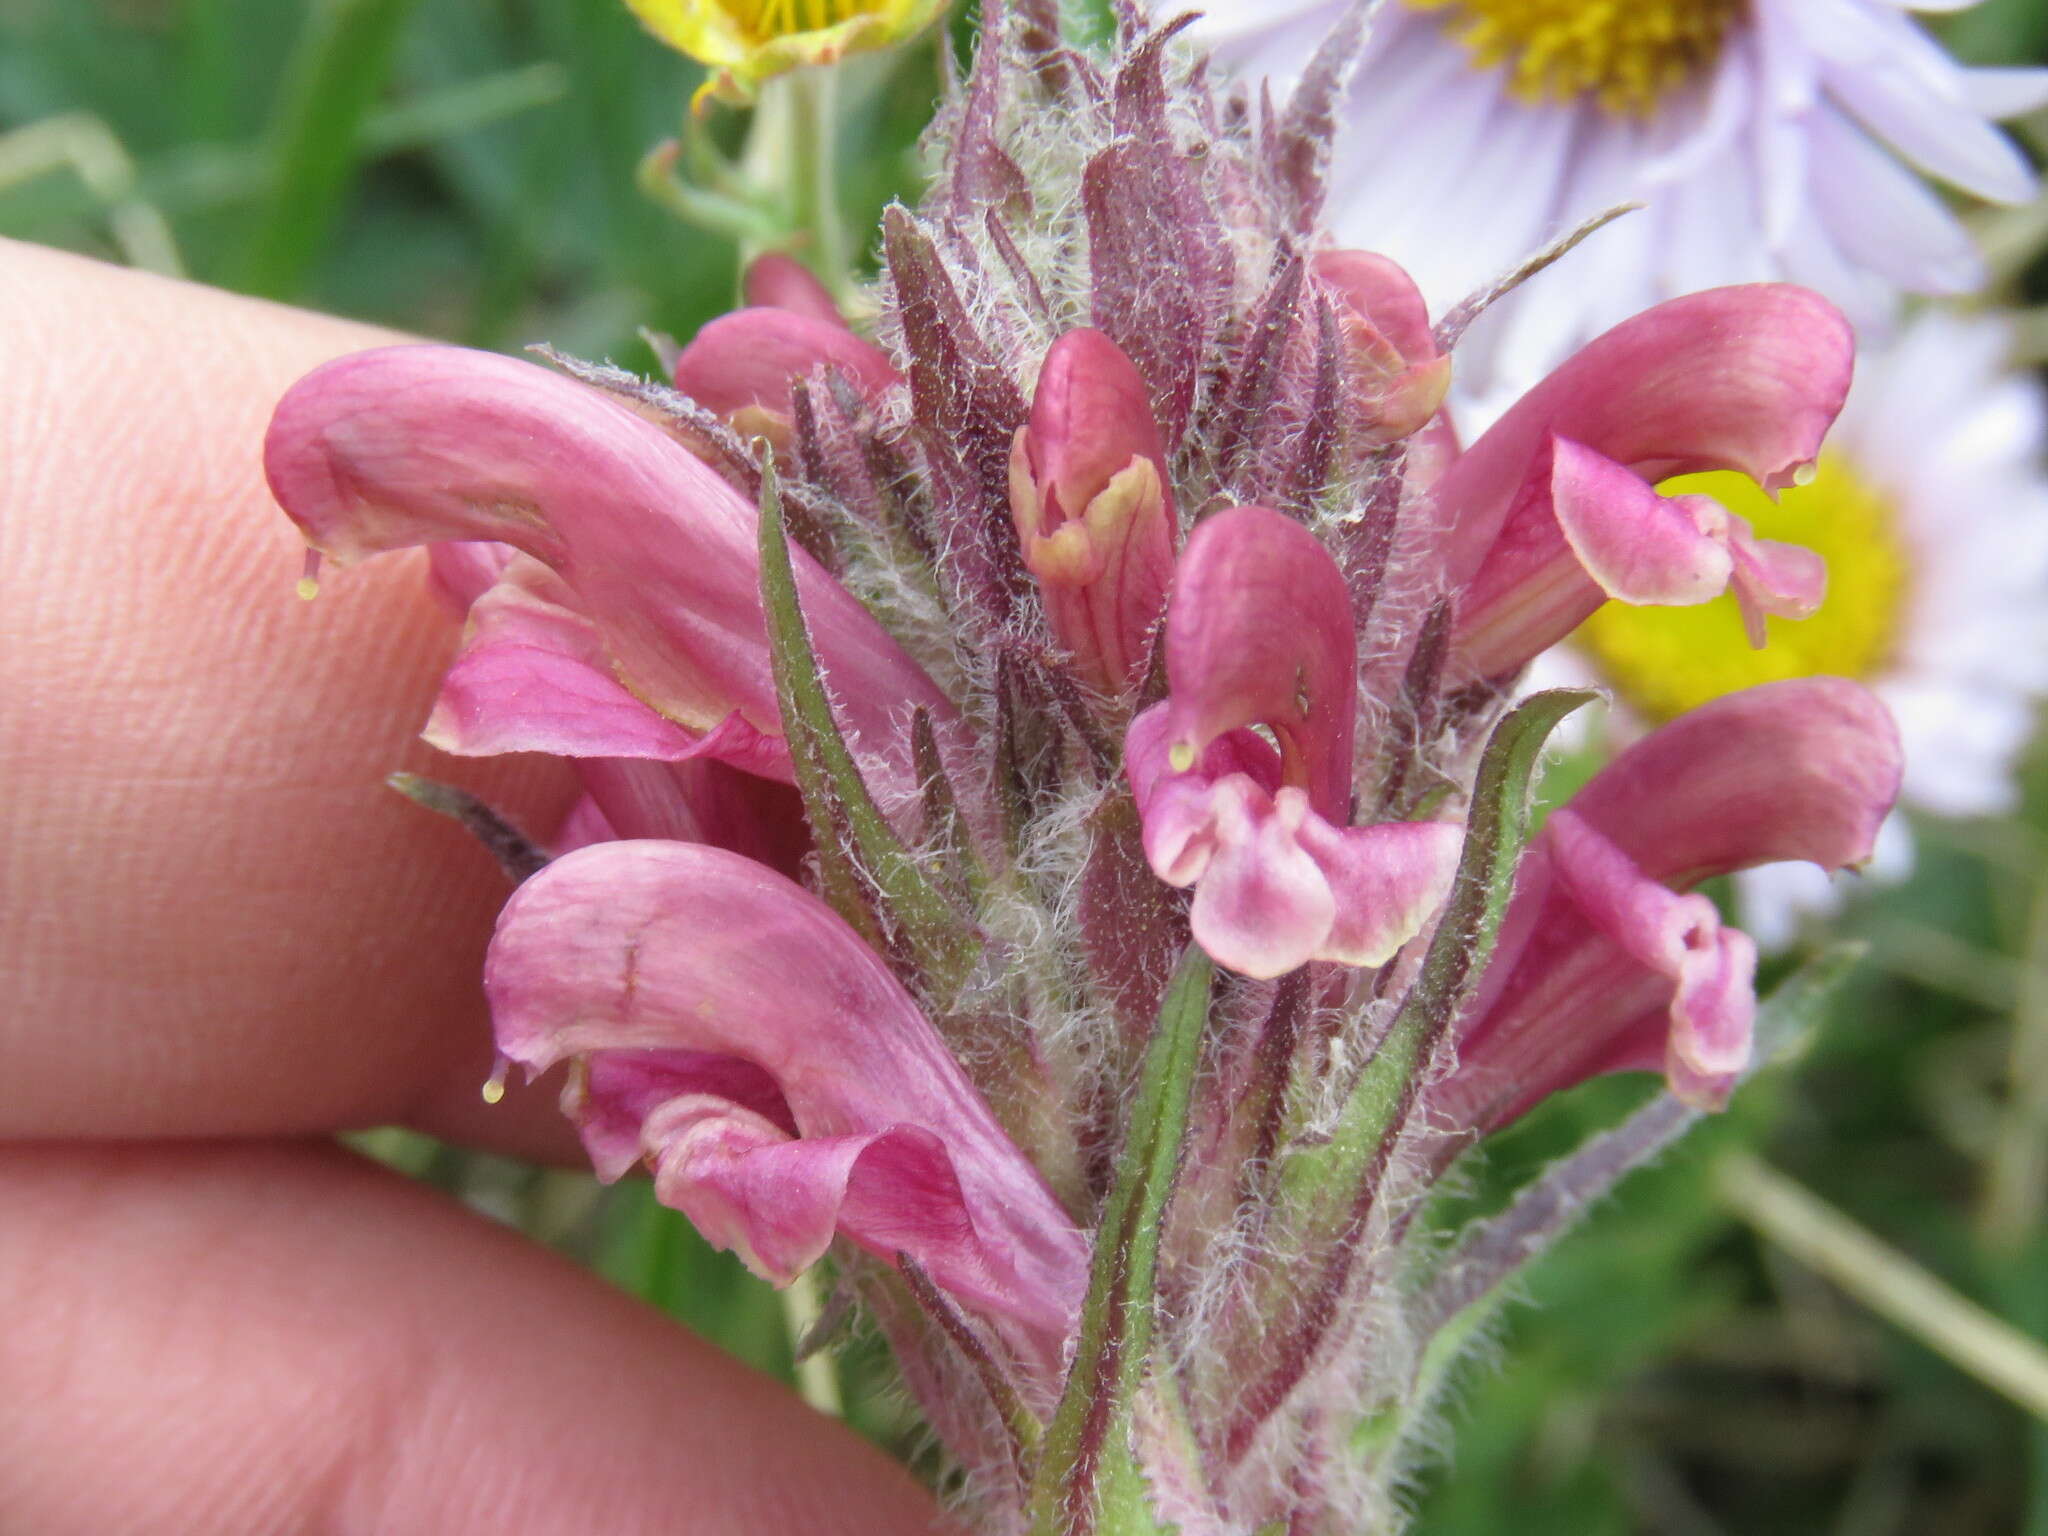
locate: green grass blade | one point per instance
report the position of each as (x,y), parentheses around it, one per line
(343,57)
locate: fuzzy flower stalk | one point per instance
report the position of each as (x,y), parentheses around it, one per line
(1056,843)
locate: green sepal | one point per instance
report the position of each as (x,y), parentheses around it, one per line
(944,826)
(1088,1480)
(867,873)
(1328,1177)
(1470,1281)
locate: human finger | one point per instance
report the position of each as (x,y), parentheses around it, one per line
(227,1338)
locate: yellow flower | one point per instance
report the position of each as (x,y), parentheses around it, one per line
(746,41)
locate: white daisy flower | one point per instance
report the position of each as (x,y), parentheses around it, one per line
(1930,505)
(1767,139)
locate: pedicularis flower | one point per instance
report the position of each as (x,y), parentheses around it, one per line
(1056,836)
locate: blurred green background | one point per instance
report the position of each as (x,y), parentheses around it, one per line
(466,169)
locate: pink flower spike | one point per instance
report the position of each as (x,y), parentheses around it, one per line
(742,366)
(421,445)
(776,281)
(1746,378)
(1094,515)
(784,1087)
(1259,633)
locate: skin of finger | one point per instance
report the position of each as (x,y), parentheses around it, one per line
(220,1338)
(214,916)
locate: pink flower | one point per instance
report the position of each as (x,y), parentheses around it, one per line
(732,1031)
(1604,965)
(743,366)
(629,625)
(1259,634)
(1088,492)
(1403,374)
(1551,512)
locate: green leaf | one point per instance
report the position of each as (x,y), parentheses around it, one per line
(1087,1479)
(343,57)
(869,875)
(1328,1177)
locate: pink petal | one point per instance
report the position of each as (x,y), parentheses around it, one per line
(1598,939)
(1589,530)
(1379,292)
(1804,769)
(1262,906)
(699,800)
(1746,378)
(1089,493)
(751,357)
(1639,547)
(659,947)
(1772,577)
(422,445)
(776,281)
(532,676)
(1259,632)
(1584,529)
(1388,881)
(461,573)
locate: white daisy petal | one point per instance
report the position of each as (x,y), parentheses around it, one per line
(2003,93)
(1788,127)
(1882,217)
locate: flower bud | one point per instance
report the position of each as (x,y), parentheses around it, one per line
(1400,373)
(1094,514)
(744,366)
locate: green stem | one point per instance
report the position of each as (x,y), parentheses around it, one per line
(791,146)
(1886,1281)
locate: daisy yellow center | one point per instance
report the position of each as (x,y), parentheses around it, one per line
(1665,661)
(765,20)
(1627,54)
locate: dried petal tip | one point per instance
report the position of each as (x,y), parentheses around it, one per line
(1094,516)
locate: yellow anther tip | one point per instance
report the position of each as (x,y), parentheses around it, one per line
(308,588)
(1181,756)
